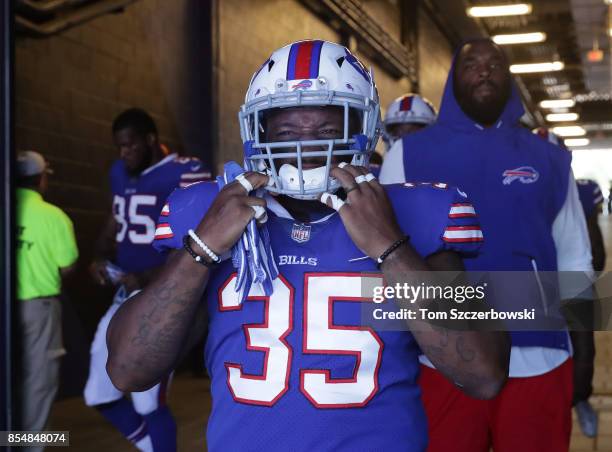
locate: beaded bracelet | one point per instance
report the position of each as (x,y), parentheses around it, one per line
(392,248)
(216,259)
(199,259)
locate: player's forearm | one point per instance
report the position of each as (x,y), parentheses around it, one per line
(476,361)
(104,249)
(145,277)
(105,243)
(598,249)
(147,334)
(584,356)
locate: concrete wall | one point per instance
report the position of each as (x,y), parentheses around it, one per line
(245,41)
(241,53)
(435,56)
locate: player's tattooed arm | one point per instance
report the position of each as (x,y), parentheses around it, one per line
(147,335)
(476,361)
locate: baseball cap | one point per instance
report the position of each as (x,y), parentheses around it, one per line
(31,163)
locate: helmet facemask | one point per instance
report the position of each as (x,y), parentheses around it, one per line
(283,161)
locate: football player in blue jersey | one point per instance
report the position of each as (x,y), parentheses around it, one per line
(141,180)
(296,369)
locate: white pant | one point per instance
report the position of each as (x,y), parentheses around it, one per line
(99,388)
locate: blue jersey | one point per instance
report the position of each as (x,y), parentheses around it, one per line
(590,195)
(298,370)
(137,203)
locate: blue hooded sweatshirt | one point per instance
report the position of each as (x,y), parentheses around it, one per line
(518,184)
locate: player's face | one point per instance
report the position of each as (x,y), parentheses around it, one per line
(305,123)
(135,149)
(399,130)
(482,81)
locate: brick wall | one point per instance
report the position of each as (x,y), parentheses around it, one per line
(69,87)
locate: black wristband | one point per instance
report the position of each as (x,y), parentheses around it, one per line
(199,259)
(389,250)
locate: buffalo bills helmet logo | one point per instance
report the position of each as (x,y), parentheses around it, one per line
(524,174)
(300,233)
(304,84)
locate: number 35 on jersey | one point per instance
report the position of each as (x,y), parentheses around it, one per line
(321,335)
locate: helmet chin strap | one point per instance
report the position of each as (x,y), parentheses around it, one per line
(313,179)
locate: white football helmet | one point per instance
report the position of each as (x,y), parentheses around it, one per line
(309,73)
(408,109)
(549,136)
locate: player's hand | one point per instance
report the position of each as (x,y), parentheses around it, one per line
(230,213)
(98,272)
(367,213)
(131,282)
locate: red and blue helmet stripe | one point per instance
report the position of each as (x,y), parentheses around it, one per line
(406,103)
(304,59)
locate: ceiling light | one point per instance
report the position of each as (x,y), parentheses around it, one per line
(558,103)
(575,142)
(560,117)
(569,131)
(595,56)
(499,10)
(536,67)
(521,38)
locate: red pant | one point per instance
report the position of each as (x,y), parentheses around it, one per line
(531,414)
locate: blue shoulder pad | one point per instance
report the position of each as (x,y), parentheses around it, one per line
(191,170)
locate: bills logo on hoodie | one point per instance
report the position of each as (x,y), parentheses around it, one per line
(524,174)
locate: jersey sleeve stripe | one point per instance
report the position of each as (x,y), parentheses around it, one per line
(163,231)
(191,182)
(191,176)
(165,210)
(463,234)
(461,210)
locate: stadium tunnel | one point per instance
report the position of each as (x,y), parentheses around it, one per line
(72,66)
